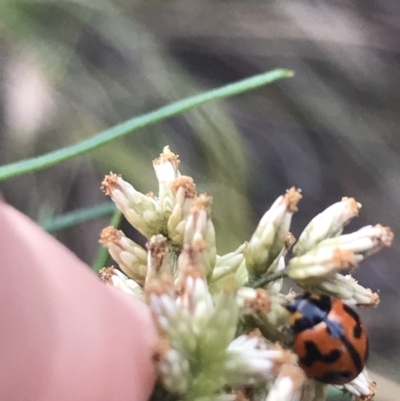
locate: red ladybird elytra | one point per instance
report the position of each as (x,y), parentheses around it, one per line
(329,338)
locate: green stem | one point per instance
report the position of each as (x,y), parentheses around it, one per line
(53,224)
(267,279)
(57,156)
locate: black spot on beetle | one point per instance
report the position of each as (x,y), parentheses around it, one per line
(302,324)
(314,354)
(323,302)
(355,356)
(291,307)
(357,329)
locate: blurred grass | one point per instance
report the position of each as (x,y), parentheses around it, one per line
(56,223)
(155,79)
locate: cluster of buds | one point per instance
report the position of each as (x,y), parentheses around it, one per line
(222,320)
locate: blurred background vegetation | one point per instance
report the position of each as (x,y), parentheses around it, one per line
(69,69)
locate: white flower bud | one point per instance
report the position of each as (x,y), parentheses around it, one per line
(184,191)
(327,224)
(117,279)
(172,367)
(228,264)
(363,242)
(131,257)
(268,241)
(252,300)
(345,288)
(167,171)
(200,234)
(272,324)
(195,299)
(251,361)
(157,258)
(169,315)
(318,264)
(288,384)
(362,387)
(142,211)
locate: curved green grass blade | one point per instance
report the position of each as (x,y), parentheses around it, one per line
(57,156)
(53,224)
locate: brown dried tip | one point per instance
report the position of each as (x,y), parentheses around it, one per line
(353,205)
(187,184)
(109,183)
(158,247)
(387,236)
(371,395)
(261,303)
(230,285)
(189,271)
(202,202)
(198,245)
(287,358)
(262,342)
(295,373)
(374,302)
(160,286)
(161,349)
(289,241)
(106,274)
(292,197)
(191,251)
(167,156)
(192,271)
(240,396)
(344,258)
(255,333)
(110,234)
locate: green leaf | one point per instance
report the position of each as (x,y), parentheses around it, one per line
(127,127)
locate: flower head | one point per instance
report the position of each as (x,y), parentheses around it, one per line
(252,359)
(114,277)
(157,257)
(222,320)
(142,211)
(327,224)
(200,233)
(288,384)
(320,264)
(131,257)
(184,192)
(345,288)
(362,387)
(167,171)
(268,241)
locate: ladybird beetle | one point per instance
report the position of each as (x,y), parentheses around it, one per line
(329,338)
